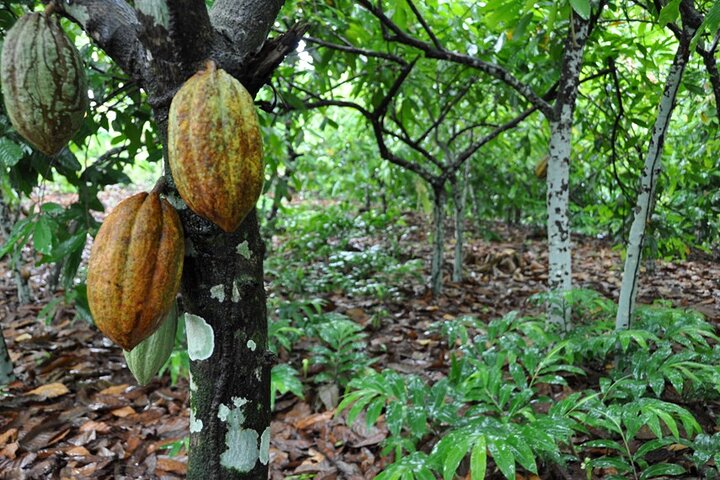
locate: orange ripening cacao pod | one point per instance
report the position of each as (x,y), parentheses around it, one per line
(215,147)
(43,83)
(135,268)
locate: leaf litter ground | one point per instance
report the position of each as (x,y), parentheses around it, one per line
(76,412)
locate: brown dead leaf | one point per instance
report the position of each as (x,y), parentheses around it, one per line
(8,436)
(9,450)
(170,465)
(114,390)
(93,426)
(357,315)
(50,390)
(23,337)
(123,412)
(307,422)
(78,452)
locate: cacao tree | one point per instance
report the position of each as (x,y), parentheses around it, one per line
(151,48)
(692,20)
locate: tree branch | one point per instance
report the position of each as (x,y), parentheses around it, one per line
(113,24)
(245,23)
(425,25)
(356,50)
(471,149)
(432,51)
(190,29)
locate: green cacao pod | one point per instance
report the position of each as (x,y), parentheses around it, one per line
(43,83)
(215,147)
(135,268)
(148,357)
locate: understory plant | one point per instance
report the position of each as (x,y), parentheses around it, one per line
(521,396)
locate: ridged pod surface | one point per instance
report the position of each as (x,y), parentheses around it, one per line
(43,83)
(215,147)
(148,356)
(135,268)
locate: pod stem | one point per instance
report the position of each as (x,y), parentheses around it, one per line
(50,9)
(210,65)
(159,185)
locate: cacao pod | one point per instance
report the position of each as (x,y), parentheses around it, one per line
(135,268)
(148,357)
(541,168)
(43,83)
(215,147)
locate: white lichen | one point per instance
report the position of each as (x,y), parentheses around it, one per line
(243,249)
(200,337)
(242,443)
(251,345)
(264,454)
(235,293)
(218,293)
(196,425)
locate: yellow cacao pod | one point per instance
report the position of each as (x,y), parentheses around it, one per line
(148,357)
(43,83)
(215,147)
(135,268)
(541,167)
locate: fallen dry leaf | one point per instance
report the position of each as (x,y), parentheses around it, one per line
(123,412)
(114,390)
(51,390)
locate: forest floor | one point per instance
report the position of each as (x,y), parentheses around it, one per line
(75,411)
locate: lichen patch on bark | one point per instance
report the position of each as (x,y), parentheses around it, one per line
(243,449)
(218,293)
(264,454)
(243,249)
(200,337)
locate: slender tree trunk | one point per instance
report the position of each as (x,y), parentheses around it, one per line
(439,201)
(648,182)
(6,365)
(558,175)
(22,286)
(460,192)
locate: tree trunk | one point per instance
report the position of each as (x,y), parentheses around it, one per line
(439,201)
(460,192)
(558,174)
(6,365)
(222,287)
(22,286)
(648,182)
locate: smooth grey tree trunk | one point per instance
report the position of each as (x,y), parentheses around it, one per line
(460,196)
(558,175)
(6,365)
(648,182)
(439,201)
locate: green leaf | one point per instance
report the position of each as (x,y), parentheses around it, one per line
(10,152)
(478,459)
(669,12)
(454,456)
(503,457)
(662,469)
(711,23)
(20,233)
(581,7)
(42,236)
